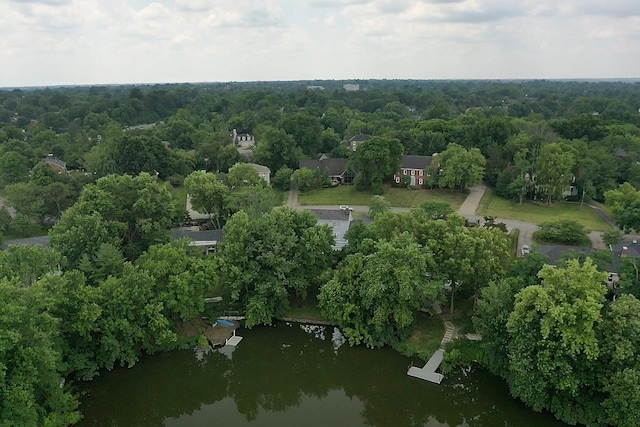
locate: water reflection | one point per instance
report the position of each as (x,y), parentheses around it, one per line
(288,375)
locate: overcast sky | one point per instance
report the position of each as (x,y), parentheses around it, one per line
(49,42)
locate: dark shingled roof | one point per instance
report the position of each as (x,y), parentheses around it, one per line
(556,252)
(416,162)
(198,235)
(336,167)
(360,137)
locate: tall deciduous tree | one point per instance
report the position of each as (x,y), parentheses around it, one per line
(243,175)
(554,169)
(625,205)
(207,195)
(374,298)
(375,160)
(460,168)
(554,341)
(265,259)
(131,212)
(32,391)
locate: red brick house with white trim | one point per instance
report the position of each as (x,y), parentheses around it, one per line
(414,168)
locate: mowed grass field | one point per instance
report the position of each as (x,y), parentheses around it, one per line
(397,197)
(492,205)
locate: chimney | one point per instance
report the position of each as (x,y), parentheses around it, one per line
(625,251)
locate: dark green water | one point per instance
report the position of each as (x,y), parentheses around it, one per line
(286,376)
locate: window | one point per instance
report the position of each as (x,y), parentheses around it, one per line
(420,181)
(413,172)
(420,172)
(397,180)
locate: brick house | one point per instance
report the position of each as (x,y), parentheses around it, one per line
(413,167)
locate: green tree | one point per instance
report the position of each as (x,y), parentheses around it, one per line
(492,314)
(207,195)
(374,298)
(625,205)
(554,345)
(182,279)
(460,168)
(565,231)
(255,201)
(243,175)
(554,169)
(42,174)
(612,236)
(265,259)
(14,167)
(304,178)
(282,179)
(130,212)
(32,392)
(276,149)
(375,160)
(179,133)
(131,320)
(378,205)
(436,209)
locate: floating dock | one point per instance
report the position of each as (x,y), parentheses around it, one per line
(428,371)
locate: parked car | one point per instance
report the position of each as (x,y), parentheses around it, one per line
(524,249)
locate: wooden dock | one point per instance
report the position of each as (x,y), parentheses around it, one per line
(428,371)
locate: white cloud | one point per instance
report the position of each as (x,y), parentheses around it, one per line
(88,41)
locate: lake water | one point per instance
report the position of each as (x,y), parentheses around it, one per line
(296,375)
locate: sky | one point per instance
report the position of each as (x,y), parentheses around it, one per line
(73,42)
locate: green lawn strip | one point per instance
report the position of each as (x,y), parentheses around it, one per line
(513,241)
(32,230)
(492,205)
(397,197)
(304,310)
(425,339)
(179,195)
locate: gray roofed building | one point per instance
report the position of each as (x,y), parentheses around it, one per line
(339,220)
(56,164)
(556,253)
(207,239)
(416,162)
(356,140)
(337,169)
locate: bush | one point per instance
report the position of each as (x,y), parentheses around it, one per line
(282,178)
(611,237)
(565,231)
(176,180)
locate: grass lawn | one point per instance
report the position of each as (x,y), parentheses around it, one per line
(31,231)
(398,197)
(179,195)
(426,337)
(493,205)
(304,309)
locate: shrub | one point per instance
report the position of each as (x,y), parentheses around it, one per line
(564,231)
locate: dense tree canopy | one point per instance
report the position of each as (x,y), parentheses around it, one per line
(130,212)
(375,297)
(265,259)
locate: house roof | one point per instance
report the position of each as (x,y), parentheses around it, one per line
(361,137)
(330,214)
(198,235)
(556,252)
(260,168)
(416,162)
(336,167)
(55,161)
(629,249)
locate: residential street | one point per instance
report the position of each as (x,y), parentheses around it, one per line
(467,209)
